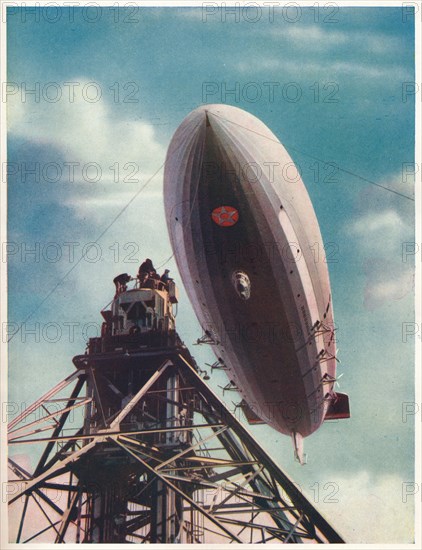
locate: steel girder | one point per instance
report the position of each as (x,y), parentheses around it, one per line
(167,462)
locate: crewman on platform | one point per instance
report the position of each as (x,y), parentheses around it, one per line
(121,282)
(165,276)
(146,269)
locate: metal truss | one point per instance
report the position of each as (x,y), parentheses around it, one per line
(141,450)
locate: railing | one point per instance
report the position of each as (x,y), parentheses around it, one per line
(154,284)
(150,283)
(153,339)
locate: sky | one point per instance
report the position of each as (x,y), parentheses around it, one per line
(86,150)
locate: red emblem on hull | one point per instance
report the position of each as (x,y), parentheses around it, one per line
(225,216)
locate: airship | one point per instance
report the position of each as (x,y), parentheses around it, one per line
(251,257)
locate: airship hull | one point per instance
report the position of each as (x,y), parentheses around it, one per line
(250,253)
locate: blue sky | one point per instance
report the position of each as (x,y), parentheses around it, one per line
(359,59)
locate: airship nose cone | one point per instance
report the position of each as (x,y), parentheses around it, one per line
(217,114)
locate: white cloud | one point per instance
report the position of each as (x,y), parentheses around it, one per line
(386,281)
(306,40)
(374,222)
(331,69)
(386,223)
(85,132)
(359,497)
(322,39)
(129,211)
(392,288)
(304,35)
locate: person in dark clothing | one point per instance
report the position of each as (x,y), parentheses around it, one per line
(148,265)
(121,282)
(165,276)
(146,269)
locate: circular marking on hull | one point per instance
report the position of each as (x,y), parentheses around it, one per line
(225,216)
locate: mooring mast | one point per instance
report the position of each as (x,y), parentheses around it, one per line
(137,448)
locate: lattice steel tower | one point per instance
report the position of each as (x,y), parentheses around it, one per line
(135,447)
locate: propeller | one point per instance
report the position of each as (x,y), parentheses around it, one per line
(219,365)
(336,383)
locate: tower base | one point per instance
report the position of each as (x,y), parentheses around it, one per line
(150,455)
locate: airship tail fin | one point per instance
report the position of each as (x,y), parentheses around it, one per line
(298,446)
